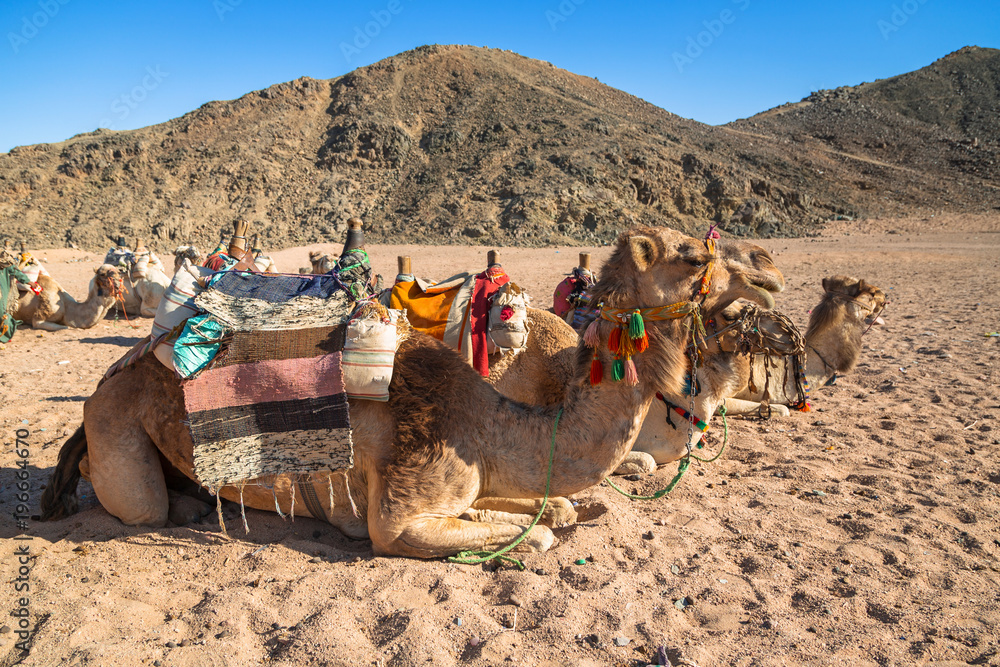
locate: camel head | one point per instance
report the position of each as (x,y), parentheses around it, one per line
(659,266)
(321,262)
(188,252)
(653,267)
(107,279)
(859,301)
(751,330)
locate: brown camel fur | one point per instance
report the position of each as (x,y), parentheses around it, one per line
(429,460)
(56,309)
(188,252)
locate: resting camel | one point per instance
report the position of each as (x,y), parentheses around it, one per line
(849,307)
(321,262)
(188,252)
(54,309)
(448,463)
(832,342)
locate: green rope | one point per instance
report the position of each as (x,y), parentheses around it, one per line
(725,437)
(682,467)
(476,557)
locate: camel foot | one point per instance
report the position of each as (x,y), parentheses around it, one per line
(780,410)
(559,511)
(636,463)
(539,539)
(47,326)
(437,537)
(185,509)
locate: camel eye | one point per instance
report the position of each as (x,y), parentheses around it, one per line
(697,263)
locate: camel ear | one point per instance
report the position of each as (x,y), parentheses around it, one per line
(643,252)
(826,284)
(96,269)
(862,286)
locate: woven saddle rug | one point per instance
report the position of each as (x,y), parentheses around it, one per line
(455,310)
(272,402)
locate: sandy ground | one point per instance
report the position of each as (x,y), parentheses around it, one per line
(863,533)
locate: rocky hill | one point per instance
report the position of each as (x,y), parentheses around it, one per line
(929,138)
(455,144)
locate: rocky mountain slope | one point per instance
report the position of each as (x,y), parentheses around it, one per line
(453,144)
(932,136)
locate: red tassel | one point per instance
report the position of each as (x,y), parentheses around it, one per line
(631,375)
(615,341)
(596,370)
(641,344)
(592,336)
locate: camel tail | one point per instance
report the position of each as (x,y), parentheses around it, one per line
(59,499)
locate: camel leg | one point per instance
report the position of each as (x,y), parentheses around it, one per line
(738,406)
(147,311)
(436,537)
(125,471)
(558,512)
(636,462)
(47,326)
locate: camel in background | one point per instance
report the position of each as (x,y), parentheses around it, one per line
(54,308)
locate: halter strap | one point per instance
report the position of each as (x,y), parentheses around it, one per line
(693,419)
(675,311)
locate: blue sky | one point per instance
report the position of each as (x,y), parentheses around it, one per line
(70,66)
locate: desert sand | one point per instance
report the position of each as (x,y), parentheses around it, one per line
(863,533)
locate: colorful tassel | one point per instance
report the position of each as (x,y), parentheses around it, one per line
(642,344)
(596,370)
(592,336)
(631,376)
(618,370)
(615,341)
(636,327)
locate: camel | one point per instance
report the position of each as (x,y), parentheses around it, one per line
(849,307)
(737,380)
(141,294)
(188,252)
(144,278)
(321,262)
(54,308)
(448,464)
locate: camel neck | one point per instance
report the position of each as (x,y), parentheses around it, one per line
(86,314)
(598,427)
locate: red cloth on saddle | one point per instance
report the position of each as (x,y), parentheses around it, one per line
(487,284)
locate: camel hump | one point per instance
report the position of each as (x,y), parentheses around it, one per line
(59,500)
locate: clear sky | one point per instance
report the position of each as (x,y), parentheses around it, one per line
(70,66)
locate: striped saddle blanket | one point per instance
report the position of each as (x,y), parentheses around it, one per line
(273,400)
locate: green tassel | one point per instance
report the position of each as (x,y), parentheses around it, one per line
(636,327)
(618,370)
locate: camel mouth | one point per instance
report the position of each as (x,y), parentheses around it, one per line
(874,322)
(764,298)
(759,286)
